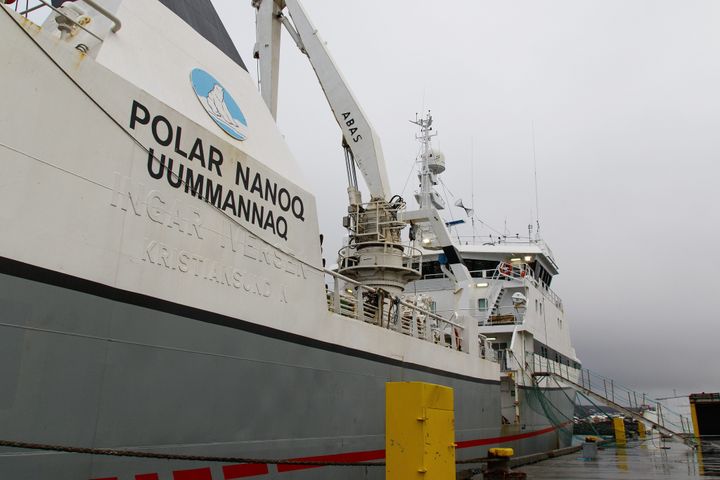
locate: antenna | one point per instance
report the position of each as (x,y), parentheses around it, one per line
(472,185)
(537,202)
(468,211)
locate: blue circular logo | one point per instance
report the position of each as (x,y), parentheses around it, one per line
(219,104)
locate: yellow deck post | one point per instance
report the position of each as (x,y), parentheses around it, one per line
(619,426)
(419,431)
(641,430)
(693,415)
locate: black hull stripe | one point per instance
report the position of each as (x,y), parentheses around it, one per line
(50,277)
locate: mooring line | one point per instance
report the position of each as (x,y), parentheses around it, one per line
(172,456)
(202,458)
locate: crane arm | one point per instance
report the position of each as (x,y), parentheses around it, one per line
(357,131)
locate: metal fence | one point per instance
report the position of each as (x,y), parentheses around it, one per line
(411,315)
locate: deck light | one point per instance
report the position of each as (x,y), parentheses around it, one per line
(425,240)
(490,339)
(515,259)
(528,258)
(481,285)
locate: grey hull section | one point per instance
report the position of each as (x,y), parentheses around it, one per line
(83,365)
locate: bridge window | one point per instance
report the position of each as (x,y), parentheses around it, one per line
(482,304)
(430,269)
(477,266)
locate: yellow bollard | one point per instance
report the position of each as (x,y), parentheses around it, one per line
(693,415)
(501,452)
(641,430)
(498,468)
(419,431)
(619,426)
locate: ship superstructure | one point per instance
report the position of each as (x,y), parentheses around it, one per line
(521,320)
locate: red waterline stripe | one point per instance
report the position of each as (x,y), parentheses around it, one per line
(242,470)
(358,457)
(509,438)
(194,474)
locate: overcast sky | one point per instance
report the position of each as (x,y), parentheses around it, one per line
(624,98)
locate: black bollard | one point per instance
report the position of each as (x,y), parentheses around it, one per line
(498,466)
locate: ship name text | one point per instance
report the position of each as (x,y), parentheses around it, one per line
(188,155)
(191,263)
(169,212)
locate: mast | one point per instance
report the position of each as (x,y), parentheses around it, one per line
(472,187)
(432,163)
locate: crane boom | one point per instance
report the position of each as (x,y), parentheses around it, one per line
(357,132)
(375,254)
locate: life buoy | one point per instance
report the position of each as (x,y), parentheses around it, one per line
(505,269)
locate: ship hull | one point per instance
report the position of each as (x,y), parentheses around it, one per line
(90,366)
(135,314)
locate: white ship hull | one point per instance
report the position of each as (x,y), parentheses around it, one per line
(137,315)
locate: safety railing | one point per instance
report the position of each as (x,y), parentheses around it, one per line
(352,299)
(492,274)
(67,19)
(510,363)
(483,320)
(504,357)
(405,255)
(486,350)
(521,272)
(431,276)
(411,316)
(539,363)
(505,315)
(552,296)
(376,221)
(626,398)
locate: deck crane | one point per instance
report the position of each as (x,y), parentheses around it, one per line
(375,254)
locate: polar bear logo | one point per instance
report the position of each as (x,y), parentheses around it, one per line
(216,106)
(219,104)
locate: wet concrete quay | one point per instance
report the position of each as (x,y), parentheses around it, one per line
(650,459)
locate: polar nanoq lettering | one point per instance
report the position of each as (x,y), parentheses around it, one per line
(209,160)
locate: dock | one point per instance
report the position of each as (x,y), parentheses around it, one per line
(647,460)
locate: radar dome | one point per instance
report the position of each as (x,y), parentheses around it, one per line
(436,162)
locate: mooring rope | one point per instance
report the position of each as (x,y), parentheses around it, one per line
(113,452)
(174,456)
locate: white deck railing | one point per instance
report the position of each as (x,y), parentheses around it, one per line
(520,272)
(350,298)
(36,5)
